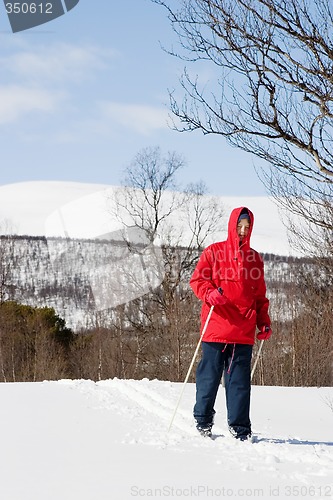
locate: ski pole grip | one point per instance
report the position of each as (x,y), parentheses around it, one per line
(220,290)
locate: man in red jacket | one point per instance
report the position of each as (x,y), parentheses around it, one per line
(230,277)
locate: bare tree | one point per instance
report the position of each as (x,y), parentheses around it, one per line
(273,93)
(177,223)
(142,198)
(307,213)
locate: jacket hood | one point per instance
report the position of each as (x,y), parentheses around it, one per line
(233,238)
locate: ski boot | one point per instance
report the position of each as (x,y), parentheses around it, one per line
(205,430)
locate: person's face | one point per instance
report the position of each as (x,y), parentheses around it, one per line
(243,228)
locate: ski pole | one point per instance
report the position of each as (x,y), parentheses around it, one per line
(257,358)
(191,366)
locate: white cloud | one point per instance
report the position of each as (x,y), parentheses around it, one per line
(16,101)
(56,64)
(111,119)
(39,78)
(140,118)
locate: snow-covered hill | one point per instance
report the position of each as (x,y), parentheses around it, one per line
(80,440)
(83,210)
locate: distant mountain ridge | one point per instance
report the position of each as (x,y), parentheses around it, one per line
(82,277)
(66,251)
(29,208)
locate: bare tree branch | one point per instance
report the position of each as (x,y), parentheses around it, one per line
(274,84)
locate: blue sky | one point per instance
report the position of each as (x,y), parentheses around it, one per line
(81,95)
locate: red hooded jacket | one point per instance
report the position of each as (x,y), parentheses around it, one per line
(239,271)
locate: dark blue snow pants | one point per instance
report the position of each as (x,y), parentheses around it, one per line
(234,360)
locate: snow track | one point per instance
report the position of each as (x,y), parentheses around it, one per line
(149,405)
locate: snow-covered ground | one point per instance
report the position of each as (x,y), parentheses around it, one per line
(80,440)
